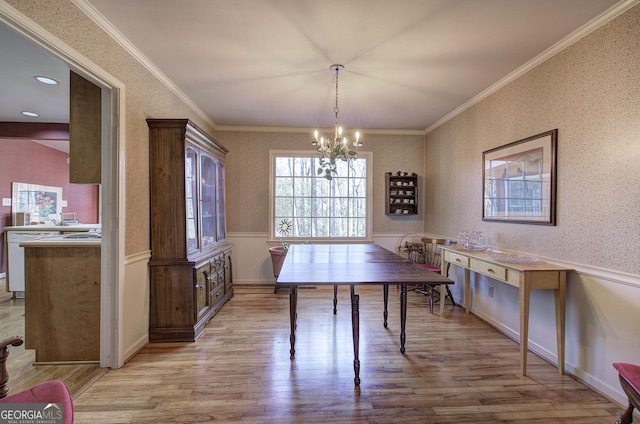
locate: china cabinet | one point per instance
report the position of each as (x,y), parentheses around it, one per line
(190,269)
(401,192)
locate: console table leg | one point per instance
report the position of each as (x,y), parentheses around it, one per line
(525,294)
(335,299)
(293,316)
(355,326)
(385,295)
(561,301)
(403,315)
(467,290)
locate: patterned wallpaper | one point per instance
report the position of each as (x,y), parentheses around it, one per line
(590,92)
(247,175)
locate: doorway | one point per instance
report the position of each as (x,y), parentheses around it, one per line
(111,193)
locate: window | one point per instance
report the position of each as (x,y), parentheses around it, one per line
(311,207)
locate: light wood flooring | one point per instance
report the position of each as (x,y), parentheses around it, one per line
(456,369)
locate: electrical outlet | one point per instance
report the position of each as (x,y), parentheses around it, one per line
(490,291)
(6,201)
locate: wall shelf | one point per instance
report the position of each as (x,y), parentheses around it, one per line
(401,193)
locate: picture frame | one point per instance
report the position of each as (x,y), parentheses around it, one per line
(519,181)
(42,203)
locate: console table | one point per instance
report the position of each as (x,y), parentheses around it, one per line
(527,277)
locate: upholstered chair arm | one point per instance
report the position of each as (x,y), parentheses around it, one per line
(4,352)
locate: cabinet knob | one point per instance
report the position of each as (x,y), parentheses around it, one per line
(218,294)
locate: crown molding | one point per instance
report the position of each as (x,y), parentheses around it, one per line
(233,128)
(105,25)
(572,38)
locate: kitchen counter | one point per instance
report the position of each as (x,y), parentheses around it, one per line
(18,234)
(50,227)
(65,240)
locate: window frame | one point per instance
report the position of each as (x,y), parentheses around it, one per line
(368,238)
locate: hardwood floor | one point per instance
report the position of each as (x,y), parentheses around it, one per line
(456,369)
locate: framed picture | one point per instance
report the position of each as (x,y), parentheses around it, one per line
(519,181)
(43,203)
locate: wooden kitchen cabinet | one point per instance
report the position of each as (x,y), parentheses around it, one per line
(62,305)
(85,131)
(190,267)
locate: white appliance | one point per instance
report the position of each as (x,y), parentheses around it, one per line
(15,272)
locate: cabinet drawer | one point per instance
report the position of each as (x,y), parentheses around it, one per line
(457,259)
(217,263)
(216,293)
(489,269)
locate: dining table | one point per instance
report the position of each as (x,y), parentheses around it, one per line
(352,265)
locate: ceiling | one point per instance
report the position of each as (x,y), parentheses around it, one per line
(265,63)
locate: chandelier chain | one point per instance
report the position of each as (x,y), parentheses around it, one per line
(337,110)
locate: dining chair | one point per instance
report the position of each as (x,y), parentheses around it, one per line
(428,255)
(53,392)
(629,375)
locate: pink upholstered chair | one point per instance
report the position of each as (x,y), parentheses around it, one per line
(54,391)
(629,375)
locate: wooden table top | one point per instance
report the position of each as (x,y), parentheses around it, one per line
(318,264)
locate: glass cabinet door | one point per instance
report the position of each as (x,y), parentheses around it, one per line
(208,175)
(221,206)
(192,199)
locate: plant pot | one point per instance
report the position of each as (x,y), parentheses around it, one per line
(278,253)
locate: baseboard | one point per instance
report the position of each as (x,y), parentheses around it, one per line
(136,348)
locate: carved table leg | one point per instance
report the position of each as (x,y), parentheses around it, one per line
(335,299)
(403,315)
(293,316)
(385,295)
(355,325)
(627,416)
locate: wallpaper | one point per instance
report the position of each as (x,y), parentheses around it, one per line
(247,175)
(590,92)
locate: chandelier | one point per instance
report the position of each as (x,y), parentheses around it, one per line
(337,147)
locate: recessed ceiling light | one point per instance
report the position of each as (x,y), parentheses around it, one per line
(25,113)
(46,80)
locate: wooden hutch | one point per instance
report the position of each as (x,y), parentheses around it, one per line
(190,266)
